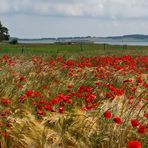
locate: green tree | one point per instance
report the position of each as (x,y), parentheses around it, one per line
(4,35)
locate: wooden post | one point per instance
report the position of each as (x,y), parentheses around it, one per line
(81,46)
(104,46)
(22,49)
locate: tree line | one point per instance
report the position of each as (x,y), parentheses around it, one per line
(4,34)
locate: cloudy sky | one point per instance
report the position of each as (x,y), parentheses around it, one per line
(56,18)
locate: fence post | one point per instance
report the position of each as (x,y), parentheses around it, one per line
(22,49)
(104,46)
(81,46)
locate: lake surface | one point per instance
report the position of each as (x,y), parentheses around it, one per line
(102,42)
(36,42)
(125,43)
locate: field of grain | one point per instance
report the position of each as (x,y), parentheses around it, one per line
(73,96)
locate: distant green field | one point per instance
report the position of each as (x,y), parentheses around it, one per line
(72,49)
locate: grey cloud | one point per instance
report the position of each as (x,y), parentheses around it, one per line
(79,17)
(81,8)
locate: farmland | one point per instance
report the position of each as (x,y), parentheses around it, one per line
(73,96)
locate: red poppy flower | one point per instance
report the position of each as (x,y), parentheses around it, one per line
(142,129)
(139,80)
(117,120)
(40,112)
(42,102)
(134,89)
(146,115)
(36,94)
(128,80)
(6,111)
(5,101)
(48,107)
(22,98)
(44,87)
(145,85)
(19,86)
(112,88)
(22,78)
(98,83)
(35,103)
(61,110)
(82,87)
(69,86)
(107,114)
(29,93)
(88,89)
(134,122)
(134,144)
(84,108)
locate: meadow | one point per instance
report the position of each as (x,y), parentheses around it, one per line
(73,96)
(68,50)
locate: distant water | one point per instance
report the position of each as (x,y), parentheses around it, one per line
(104,42)
(125,43)
(36,42)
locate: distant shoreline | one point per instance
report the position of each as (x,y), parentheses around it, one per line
(135,39)
(132,43)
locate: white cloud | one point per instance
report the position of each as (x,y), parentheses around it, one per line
(84,8)
(84,17)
